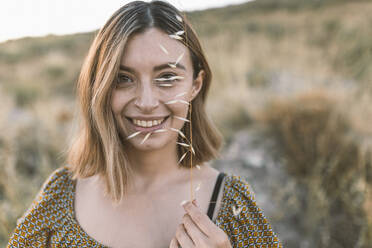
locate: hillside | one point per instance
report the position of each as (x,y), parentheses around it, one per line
(300,69)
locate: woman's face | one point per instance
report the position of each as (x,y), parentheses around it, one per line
(144,91)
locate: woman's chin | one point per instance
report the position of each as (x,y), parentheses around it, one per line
(152,143)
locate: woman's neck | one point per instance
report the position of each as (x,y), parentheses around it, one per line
(155,168)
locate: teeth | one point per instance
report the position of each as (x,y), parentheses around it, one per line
(143,123)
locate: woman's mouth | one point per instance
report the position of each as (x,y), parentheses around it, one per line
(148,125)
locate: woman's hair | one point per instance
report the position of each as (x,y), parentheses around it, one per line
(98,148)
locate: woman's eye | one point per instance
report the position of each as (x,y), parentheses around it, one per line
(124,79)
(168,78)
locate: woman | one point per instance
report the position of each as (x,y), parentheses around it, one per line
(143,148)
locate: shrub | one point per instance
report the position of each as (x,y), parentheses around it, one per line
(316,142)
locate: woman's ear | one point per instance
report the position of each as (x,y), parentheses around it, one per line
(197,84)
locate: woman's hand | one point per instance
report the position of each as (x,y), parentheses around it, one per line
(198,231)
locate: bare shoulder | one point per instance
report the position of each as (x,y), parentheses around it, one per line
(208,172)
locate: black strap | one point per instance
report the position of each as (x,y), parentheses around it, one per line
(216,190)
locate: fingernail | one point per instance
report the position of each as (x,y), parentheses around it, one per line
(183,203)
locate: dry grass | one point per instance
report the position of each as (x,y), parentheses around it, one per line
(322,150)
(301,71)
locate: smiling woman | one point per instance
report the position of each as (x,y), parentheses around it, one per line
(147,92)
(142,93)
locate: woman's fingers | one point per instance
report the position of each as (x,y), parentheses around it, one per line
(174,243)
(196,235)
(201,220)
(183,238)
(202,230)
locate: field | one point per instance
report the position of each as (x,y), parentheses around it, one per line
(291,77)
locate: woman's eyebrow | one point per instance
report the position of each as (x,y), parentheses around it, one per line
(156,68)
(165,66)
(125,68)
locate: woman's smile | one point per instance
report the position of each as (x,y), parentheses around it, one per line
(148,124)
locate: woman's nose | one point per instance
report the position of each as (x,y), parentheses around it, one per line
(146,100)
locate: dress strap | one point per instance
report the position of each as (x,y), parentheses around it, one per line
(216,190)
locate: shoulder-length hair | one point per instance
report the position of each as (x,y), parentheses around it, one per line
(98,148)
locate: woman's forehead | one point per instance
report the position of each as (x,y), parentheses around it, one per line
(154,47)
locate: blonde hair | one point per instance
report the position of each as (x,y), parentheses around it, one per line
(98,149)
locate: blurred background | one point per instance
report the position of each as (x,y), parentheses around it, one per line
(291,94)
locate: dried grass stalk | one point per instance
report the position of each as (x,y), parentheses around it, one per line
(198,187)
(146,137)
(177,101)
(133,135)
(166,85)
(183,144)
(181,118)
(163,48)
(183,156)
(181,94)
(168,79)
(179,18)
(179,58)
(172,65)
(160,130)
(178,131)
(174,36)
(181,32)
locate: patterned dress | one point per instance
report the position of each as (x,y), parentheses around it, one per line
(50,220)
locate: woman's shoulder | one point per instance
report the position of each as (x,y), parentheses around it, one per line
(57,181)
(239,186)
(48,210)
(238,191)
(54,189)
(241,217)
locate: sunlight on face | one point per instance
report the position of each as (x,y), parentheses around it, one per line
(153,88)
